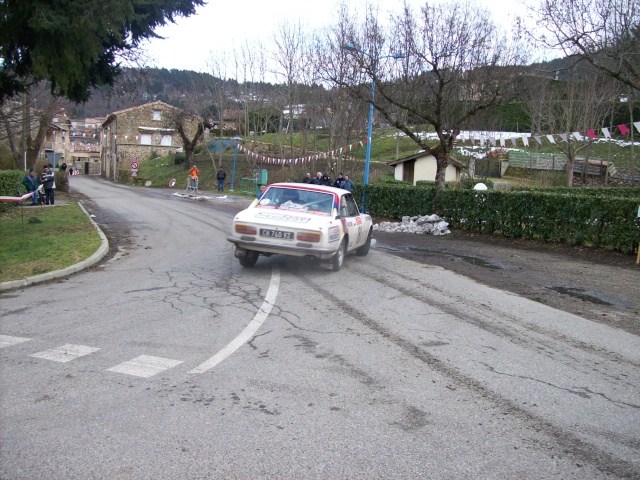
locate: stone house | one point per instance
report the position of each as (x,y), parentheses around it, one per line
(56,143)
(137,133)
(422,166)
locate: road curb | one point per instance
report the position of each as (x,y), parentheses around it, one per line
(86,263)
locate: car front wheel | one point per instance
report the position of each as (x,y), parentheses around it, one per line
(338,258)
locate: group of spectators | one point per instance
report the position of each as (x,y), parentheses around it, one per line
(193,178)
(343,182)
(31,182)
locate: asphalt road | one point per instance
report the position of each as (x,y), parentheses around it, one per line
(169,360)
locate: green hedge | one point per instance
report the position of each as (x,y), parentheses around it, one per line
(624,192)
(11,185)
(599,221)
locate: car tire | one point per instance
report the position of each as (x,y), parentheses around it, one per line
(338,258)
(249,259)
(364,249)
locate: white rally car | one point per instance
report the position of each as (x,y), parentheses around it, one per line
(302,220)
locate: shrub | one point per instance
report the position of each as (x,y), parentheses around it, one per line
(603,221)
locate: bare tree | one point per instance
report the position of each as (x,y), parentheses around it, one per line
(342,115)
(289,58)
(605,33)
(454,63)
(571,107)
(24,124)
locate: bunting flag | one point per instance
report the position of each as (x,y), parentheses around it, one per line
(514,141)
(525,140)
(297,160)
(577,136)
(623,129)
(551,139)
(564,137)
(538,139)
(605,132)
(502,142)
(637,125)
(592,134)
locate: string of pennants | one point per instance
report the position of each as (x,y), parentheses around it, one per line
(579,136)
(299,160)
(472,137)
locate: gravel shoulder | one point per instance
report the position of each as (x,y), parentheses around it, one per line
(595,284)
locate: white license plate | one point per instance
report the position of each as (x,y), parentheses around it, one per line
(266,232)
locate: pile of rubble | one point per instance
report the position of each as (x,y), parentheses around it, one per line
(430,224)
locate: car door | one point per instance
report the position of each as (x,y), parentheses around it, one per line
(352,222)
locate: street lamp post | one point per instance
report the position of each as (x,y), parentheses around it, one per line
(235,156)
(374,63)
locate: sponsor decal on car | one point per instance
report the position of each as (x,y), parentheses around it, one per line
(358,221)
(334,234)
(282,217)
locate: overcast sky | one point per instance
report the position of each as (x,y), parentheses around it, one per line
(226,25)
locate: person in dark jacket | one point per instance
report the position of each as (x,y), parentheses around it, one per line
(307,178)
(326,180)
(339,180)
(317,179)
(48,184)
(222,175)
(31,183)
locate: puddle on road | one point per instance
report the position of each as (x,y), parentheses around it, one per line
(580,294)
(465,258)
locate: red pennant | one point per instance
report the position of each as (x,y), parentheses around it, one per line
(623,129)
(591,134)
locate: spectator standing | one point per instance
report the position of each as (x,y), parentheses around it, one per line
(31,183)
(221,177)
(339,180)
(48,183)
(317,180)
(347,184)
(194,171)
(326,180)
(307,178)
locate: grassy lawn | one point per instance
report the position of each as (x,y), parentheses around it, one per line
(385,147)
(46,239)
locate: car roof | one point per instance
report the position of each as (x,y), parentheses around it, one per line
(310,187)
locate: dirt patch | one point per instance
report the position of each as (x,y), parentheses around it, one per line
(595,284)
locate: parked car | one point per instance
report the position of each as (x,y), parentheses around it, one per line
(301,220)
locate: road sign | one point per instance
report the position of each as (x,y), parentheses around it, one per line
(134,164)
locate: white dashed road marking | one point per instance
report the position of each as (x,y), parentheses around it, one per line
(65,353)
(7,341)
(250,329)
(145,366)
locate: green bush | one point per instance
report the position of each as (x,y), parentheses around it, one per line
(11,186)
(601,221)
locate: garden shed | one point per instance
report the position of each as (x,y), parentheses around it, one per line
(422,166)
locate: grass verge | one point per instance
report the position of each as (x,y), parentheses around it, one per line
(36,240)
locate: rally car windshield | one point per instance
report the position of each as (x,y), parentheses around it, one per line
(297,200)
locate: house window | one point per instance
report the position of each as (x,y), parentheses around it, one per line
(165,140)
(145,139)
(156,115)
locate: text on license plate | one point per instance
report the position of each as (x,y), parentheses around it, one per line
(266,232)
